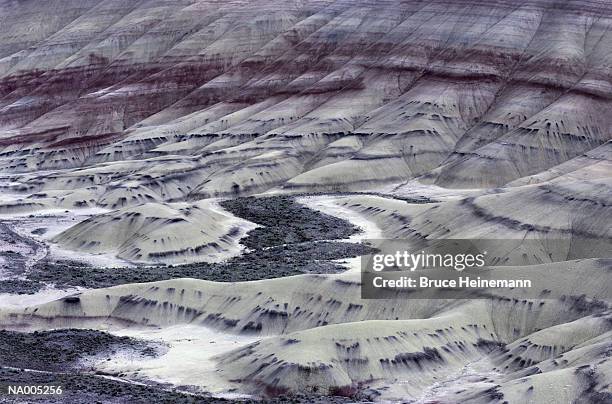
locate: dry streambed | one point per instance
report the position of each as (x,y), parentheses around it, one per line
(291,239)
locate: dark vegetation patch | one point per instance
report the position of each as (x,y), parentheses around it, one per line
(285,221)
(79,388)
(39,231)
(20,286)
(59,350)
(260,264)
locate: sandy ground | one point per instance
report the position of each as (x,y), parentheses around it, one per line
(55,221)
(416,189)
(188,361)
(8,300)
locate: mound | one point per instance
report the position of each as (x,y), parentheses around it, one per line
(156,232)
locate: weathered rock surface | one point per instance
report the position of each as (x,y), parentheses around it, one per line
(321,95)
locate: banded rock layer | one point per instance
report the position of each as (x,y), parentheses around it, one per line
(242,97)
